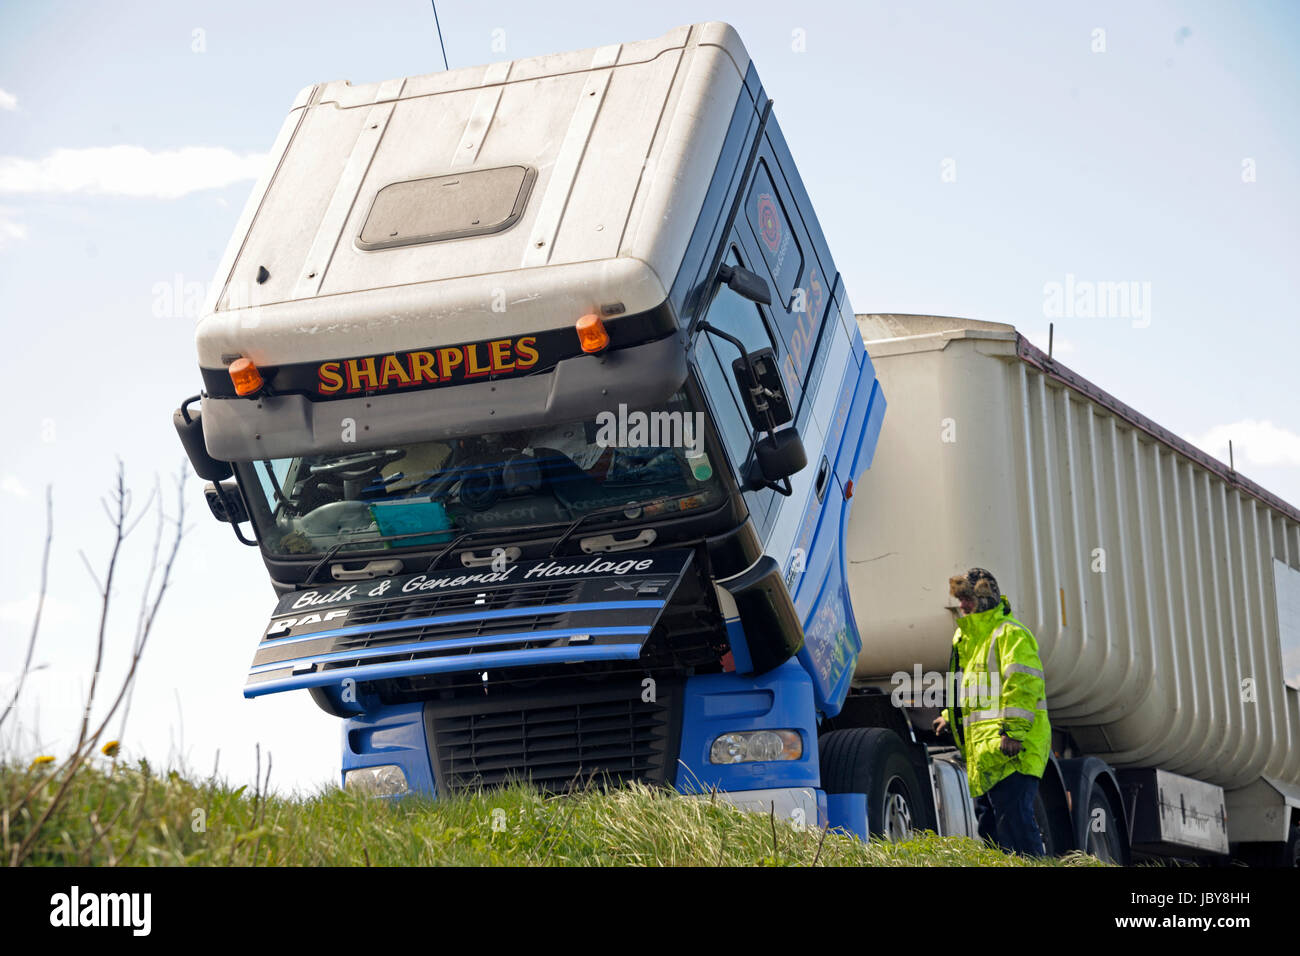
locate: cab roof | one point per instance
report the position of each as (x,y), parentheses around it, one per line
(492,200)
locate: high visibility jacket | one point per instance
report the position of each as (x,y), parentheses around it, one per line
(1001,689)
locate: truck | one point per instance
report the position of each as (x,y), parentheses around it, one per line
(538,390)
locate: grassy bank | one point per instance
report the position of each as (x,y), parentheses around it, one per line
(132,815)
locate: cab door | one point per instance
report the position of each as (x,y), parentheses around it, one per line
(771,235)
(714,357)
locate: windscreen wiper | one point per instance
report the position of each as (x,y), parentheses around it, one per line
(465,535)
(613,509)
(334,549)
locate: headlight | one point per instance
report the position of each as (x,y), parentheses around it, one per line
(748,745)
(385,781)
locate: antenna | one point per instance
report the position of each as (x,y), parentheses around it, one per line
(1051,335)
(438,25)
(1232,466)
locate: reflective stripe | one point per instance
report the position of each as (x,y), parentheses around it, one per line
(1042,705)
(982,715)
(991,665)
(1023,669)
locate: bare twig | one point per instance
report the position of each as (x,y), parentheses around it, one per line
(259,819)
(88,740)
(99,588)
(118,520)
(825,830)
(101,833)
(144,604)
(40,602)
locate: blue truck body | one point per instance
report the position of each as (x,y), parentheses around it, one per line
(403,675)
(814,683)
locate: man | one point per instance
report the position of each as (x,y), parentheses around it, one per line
(999,719)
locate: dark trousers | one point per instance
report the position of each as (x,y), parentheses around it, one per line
(1012,803)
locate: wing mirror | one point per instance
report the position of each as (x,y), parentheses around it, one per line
(225,502)
(777,456)
(189,428)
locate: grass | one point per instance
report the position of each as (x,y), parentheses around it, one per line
(134,815)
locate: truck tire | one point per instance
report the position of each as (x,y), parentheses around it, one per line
(874,761)
(1052,811)
(1105,839)
(1045,828)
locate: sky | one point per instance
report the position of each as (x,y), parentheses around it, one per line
(965,158)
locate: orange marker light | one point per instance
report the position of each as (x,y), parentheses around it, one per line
(591,333)
(246,377)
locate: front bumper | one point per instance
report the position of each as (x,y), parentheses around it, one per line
(797,806)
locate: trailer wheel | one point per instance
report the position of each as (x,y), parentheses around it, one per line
(1104,836)
(1051,810)
(874,761)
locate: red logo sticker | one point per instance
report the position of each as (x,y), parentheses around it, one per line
(768,221)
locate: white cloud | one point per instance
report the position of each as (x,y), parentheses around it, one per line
(8,101)
(129,171)
(1253,443)
(11,485)
(22,611)
(10,229)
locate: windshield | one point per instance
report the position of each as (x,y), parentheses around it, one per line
(649,462)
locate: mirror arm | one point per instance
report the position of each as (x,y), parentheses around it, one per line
(750,163)
(234,525)
(755,387)
(755,482)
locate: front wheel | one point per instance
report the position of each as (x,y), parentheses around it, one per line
(874,761)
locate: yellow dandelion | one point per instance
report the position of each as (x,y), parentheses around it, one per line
(41,761)
(109,749)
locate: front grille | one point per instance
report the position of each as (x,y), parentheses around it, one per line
(568,737)
(431,632)
(404,606)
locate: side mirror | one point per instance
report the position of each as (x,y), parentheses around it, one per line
(225,502)
(777,456)
(748,284)
(765,396)
(189,426)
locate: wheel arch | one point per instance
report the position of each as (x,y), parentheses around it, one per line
(1081,776)
(874,710)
